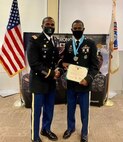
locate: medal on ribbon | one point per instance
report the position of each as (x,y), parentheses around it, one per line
(75,58)
(75,50)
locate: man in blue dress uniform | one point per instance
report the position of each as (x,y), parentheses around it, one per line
(82,52)
(43,57)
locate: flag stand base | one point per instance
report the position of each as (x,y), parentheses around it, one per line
(109,103)
(19,103)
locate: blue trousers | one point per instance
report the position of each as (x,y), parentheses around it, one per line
(39,101)
(83,100)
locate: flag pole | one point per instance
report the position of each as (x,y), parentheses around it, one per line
(112,44)
(109,102)
(20,102)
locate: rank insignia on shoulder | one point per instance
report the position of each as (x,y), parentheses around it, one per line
(34,37)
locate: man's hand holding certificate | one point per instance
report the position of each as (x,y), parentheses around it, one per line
(76,73)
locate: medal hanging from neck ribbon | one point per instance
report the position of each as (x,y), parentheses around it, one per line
(75,49)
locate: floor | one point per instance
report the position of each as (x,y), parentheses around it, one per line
(105,125)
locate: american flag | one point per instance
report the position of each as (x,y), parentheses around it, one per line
(114,65)
(12,52)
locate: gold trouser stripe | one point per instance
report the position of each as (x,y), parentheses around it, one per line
(89,112)
(32,116)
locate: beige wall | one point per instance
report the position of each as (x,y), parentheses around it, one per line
(53,6)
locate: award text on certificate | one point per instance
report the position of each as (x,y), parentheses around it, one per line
(76,73)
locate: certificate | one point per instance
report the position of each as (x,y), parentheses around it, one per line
(76,73)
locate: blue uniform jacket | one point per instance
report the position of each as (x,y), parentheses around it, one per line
(43,57)
(87,57)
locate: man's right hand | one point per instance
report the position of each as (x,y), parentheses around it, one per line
(65,65)
(57,74)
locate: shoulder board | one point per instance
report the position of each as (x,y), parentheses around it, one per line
(34,37)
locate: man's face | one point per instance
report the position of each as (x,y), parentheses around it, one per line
(77,27)
(48,26)
(48,23)
(77,30)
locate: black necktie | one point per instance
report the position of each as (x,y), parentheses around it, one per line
(77,43)
(51,41)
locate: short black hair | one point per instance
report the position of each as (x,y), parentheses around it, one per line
(78,21)
(47,18)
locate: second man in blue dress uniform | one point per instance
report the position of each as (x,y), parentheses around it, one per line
(81,52)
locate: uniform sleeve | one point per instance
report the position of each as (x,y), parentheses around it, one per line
(66,57)
(94,63)
(34,60)
(59,64)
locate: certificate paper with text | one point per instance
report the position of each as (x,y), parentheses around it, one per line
(76,73)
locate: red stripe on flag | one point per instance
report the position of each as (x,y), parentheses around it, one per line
(5,65)
(17,48)
(13,52)
(9,58)
(19,33)
(20,37)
